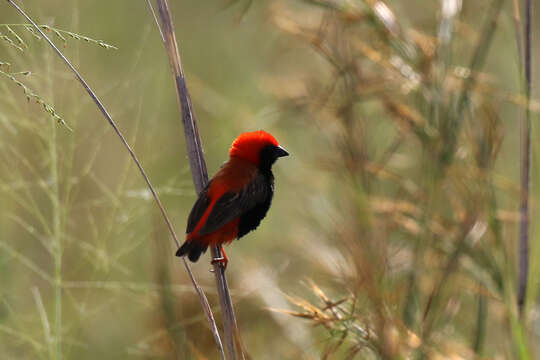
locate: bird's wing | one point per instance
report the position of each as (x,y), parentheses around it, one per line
(198,210)
(232,205)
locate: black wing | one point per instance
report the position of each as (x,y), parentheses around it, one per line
(198,210)
(233,205)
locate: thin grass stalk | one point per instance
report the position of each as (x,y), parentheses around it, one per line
(449,269)
(480,55)
(481,319)
(525,167)
(156,21)
(199,173)
(56,236)
(44,321)
(445,36)
(442,63)
(517,28)
(477,62)
(202,297)
(516,327)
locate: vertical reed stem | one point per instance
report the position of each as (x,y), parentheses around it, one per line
(199,172)
(525,160)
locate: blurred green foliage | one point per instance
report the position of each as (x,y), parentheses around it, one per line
(393,230)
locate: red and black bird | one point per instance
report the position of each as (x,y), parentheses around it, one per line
(237,198)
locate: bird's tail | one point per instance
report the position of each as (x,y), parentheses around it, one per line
(192,249)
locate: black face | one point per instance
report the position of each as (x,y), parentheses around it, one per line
(269,155)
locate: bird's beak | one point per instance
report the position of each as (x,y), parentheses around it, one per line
(280,152)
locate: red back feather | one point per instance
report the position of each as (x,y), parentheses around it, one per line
(248,145)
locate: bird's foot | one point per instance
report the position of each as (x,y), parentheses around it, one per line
(223,260)
(220,260)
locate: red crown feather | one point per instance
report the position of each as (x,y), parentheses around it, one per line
(248,145)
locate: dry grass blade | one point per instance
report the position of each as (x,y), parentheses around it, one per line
(199,173)
(336,316)
(311,312)
(202,297)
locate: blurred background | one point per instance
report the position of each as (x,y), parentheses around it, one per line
(394,227)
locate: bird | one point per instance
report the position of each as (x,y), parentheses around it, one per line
(236,199)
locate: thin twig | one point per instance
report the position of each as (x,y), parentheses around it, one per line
(525,161)
(199,173)
(202,296)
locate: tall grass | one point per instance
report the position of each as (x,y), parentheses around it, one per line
(56,207)
(395,226)
(46,182)
(422,226)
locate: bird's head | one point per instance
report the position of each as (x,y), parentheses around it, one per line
(258,147)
